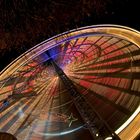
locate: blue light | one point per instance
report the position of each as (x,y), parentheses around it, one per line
(59,133)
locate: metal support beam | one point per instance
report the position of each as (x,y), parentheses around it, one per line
(98,128)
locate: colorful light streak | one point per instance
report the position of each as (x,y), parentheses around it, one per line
(101,61)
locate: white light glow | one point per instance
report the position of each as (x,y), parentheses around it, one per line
(128,121)
(59,133)
(109,138)
(20,113)
(97,134)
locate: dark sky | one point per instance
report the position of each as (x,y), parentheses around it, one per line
(25,23)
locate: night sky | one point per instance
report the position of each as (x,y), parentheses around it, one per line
(25,23)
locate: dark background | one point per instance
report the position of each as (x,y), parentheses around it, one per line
(25,23)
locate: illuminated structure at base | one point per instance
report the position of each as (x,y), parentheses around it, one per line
(81,84)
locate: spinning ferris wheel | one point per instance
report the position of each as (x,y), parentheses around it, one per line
(82,83)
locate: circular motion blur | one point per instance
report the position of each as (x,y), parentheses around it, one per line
(82,84)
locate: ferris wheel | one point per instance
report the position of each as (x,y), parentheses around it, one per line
(83,82)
